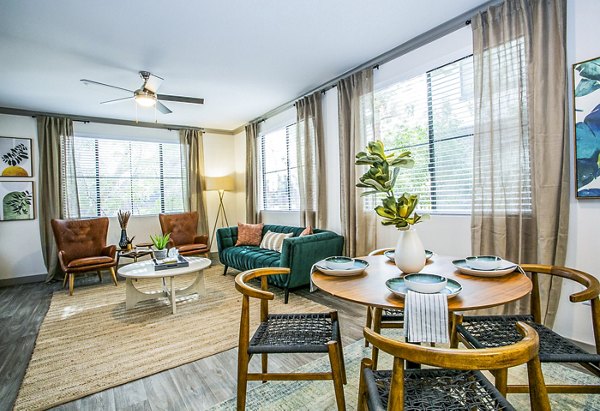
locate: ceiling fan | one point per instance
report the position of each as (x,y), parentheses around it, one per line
(147,95)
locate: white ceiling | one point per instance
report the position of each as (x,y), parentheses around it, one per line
(244,57)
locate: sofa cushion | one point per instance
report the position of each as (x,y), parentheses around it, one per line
(247,257)
(274,241)
(87,261)
(188,248)
(249,234)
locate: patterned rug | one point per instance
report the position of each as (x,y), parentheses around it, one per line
(319,395)
(88,342)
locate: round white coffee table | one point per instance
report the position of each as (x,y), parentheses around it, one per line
(145,269)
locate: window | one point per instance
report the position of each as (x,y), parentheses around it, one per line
(109,175)
(431,115)
(278,171)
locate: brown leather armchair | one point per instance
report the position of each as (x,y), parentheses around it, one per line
(182,227)
(82,248)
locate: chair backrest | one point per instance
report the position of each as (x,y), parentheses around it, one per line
(524,351)
(182,226)
(241,284)
(590,293)
(381,251)
(80,238)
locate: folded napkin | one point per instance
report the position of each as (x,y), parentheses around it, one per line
(426,317)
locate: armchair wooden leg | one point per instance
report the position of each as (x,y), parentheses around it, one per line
(99,275)
(114,276)
(362,386)
(336,371)
(377,329)
(501,381)
(65,279)
(242,380)
(455,320)
(71,283)
(225,270)
(369,322)
(265,364)
(287,295)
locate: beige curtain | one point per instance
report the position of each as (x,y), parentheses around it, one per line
(252,214)
(310,150)
(56,197)
(521,137)
(193,157)
(356,125)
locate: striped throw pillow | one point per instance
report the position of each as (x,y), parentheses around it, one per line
(274,241)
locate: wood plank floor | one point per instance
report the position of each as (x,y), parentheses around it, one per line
(195,386)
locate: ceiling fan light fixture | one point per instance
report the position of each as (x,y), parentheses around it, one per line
(145,98)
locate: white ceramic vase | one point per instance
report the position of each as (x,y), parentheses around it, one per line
(409,253)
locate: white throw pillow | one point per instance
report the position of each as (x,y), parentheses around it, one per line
(274,241)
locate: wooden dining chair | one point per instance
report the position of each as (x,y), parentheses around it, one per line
(497,330)
(378,318)
(285,334)
(457,385)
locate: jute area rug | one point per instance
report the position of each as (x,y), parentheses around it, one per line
(319,395)
(88,342)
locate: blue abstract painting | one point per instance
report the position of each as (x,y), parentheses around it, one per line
(586,80)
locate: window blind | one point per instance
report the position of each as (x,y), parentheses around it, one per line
(278,178)
(110,175)
(431,115)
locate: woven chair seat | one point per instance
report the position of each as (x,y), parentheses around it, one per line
(436,389)
(499,330)
(289,333)
(392,315)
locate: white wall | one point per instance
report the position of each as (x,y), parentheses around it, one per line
(574,320)
(21,252)
(22,256)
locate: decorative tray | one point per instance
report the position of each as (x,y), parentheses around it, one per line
(359,267)
(506,267)
(399,288)
(181,262)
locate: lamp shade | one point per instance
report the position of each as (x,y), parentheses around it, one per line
(225,183)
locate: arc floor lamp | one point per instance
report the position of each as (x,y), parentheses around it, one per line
(220,184)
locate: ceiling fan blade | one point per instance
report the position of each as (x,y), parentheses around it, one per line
(97,83)
(162,108)
(151,82)
(180,99)
(117,100)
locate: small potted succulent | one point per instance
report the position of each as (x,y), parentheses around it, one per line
(160,244)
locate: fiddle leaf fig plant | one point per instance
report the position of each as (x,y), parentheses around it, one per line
(381,178)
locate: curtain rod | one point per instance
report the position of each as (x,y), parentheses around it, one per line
(412,44)
(104,120)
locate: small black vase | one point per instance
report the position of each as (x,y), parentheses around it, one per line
(123,240)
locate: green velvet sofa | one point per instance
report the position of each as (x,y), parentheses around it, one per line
(298,253)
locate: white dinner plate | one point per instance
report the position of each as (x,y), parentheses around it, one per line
(359,267)
(506,267)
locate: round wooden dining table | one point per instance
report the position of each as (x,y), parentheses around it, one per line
(368,288)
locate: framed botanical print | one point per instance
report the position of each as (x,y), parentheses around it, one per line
(15,157)
(586,103)
(17,202)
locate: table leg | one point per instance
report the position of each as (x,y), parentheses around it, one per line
(198,286)
(172,284)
